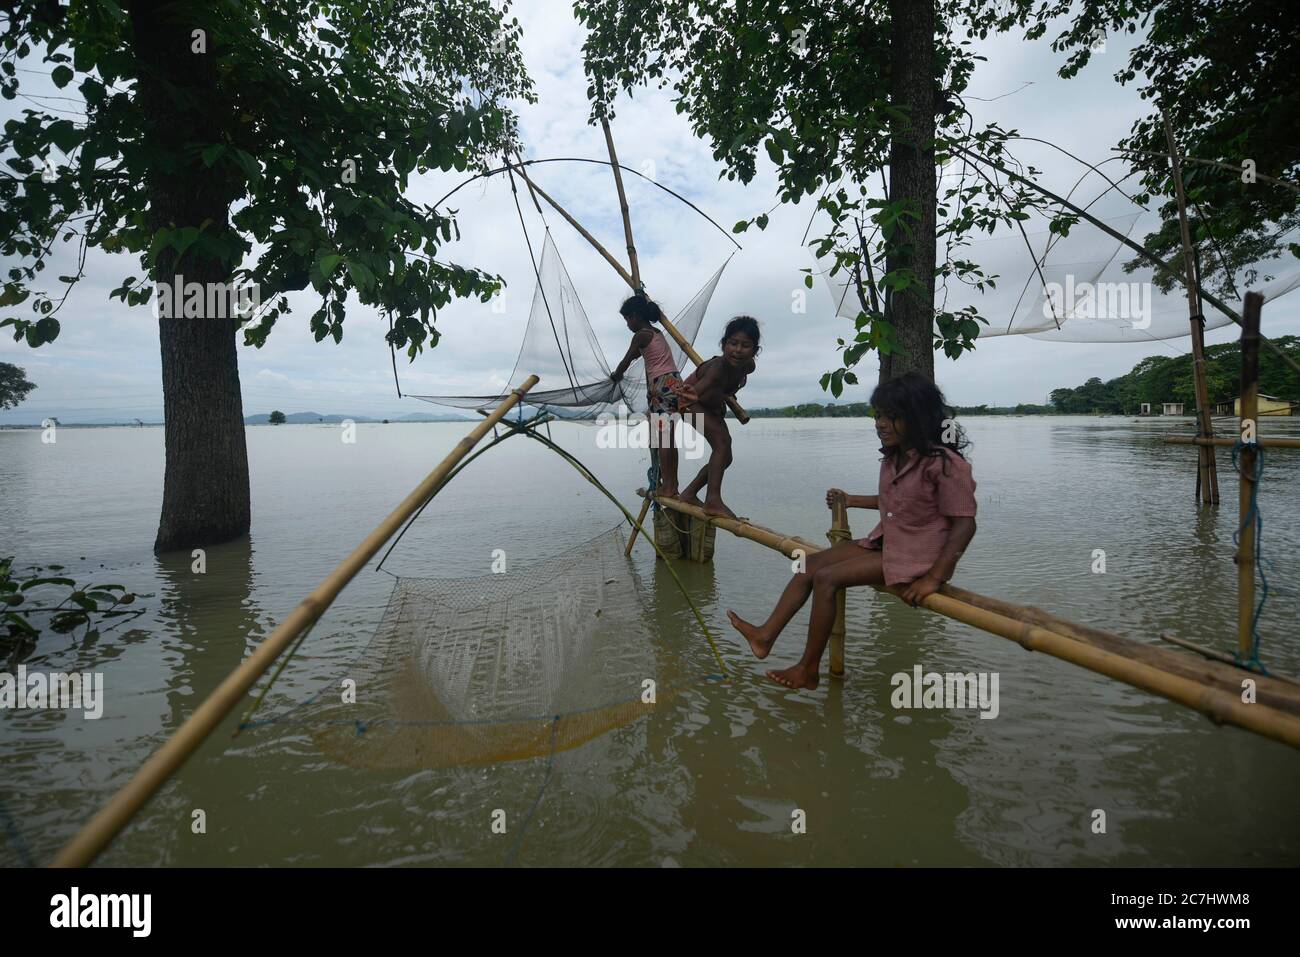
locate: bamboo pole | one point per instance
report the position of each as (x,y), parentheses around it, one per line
(1246,489)
(631,539)
(741,415)
(1262,443)
(635,279)
(1007,621)
(1207,475)
(104,826)
(839,532)
(1271,693)
(622,205)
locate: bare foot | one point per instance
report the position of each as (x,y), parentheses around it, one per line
(796,677)
(718,508)
(759,645)
(690,498)
(666,492)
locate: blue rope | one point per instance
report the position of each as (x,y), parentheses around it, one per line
(1254,517)
(652,478)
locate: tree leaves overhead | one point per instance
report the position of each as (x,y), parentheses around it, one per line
(1227,75)
(807,82)
(324,111)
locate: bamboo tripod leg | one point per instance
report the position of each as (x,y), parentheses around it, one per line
(113,817)
(839,532)
(631,539)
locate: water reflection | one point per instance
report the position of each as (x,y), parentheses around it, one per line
(210,617)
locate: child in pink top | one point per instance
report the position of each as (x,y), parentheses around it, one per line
(662,382)
(927,518)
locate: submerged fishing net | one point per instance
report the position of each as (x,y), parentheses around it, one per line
(503,667)
(560,347)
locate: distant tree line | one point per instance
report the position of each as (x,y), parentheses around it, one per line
(1155,380)
(1160,379)
(815,410)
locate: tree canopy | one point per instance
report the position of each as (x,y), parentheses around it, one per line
(322,112)
(14,386)
(1160,379)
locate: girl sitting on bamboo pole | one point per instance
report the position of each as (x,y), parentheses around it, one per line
(927,518)
(705,392)
(661,378)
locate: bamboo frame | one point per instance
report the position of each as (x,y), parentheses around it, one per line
(741,415)
(91,840)
(634,279)
(1246,486)
(1212,688)
(1207,473)
(1123,240)
(839,532)
(622,205)
(631,539)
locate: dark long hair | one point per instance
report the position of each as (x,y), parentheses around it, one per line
(640,307)
(927,417)
(746,324)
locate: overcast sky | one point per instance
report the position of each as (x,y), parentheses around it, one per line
(105,364)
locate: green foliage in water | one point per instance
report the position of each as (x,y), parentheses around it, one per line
(41,598)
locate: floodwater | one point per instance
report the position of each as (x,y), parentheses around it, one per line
(716,774)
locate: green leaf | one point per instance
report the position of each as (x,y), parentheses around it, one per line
(327,264)
(47,329)
(64,135)
(211,153)
(34,582)
(61,76)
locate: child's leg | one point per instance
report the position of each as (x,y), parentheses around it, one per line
(867,569)
(715,430)
(762,637)
(691,492)
(667,458)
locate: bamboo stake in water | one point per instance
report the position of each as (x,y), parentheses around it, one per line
(839,532)
(1246,479)
(163,763)
(1207,474)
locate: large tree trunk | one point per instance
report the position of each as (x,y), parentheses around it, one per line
(205,486)
(912,180)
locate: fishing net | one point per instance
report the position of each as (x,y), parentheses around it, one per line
(560,347)
(1075,288)
(503,667)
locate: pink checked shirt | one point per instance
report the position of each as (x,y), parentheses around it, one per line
(917,503)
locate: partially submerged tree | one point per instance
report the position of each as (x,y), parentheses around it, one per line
(277,418)
(262,147)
